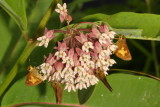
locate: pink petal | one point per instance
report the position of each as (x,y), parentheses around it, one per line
(51,60)
(108,43)
(64,5)
(92,35)
(63,47)
(106,29)
(59,66)
(59,45)
(71,53)
(62,18)
(98,47)
(96,32)
(53,70)
(79,51)
(94,56)
(49,34)
(75,59)
(83,38)
(78,38)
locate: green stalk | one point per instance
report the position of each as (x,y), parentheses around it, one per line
(148,4)
(28,49)
(141,48)
(147,64)
(45,19)
(135,72)
(155,58)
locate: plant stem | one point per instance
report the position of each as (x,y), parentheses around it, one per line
(86,22)
(155,58)
(45,19)
(28,49)
(141,48)
(148,4)
(135,72)
(147,64)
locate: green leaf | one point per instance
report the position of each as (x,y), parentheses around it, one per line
(20,93)
(128,91)
(6,36)
(16,9)
(37,12)
(124,22)
(10,44)
(84,95)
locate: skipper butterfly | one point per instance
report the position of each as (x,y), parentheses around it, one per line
(58,90)
(122,50)
(33,77)
(101,76)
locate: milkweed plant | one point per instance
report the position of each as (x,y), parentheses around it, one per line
(79,55)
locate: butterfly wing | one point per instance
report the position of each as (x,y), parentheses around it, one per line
(101,76)
(32,80)
(122,50)
(58,91)
(33,77)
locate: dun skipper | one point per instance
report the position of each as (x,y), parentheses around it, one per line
(58,90)
(122,50)
(101,76)
(33,77)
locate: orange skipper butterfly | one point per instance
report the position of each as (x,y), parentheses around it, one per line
(33,77)
(122,50)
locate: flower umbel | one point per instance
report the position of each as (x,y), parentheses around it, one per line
(82,58)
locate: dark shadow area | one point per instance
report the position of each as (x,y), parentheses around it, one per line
(84,94)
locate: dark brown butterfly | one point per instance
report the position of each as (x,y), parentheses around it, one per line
(58,91)
(122,50)
(101,76)
(33,77)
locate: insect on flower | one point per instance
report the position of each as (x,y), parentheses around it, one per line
(80,60)
(33,77)
(122,50)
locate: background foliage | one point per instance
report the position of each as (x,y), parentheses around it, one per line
(138,20)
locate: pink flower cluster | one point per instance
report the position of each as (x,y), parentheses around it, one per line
(78,56)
